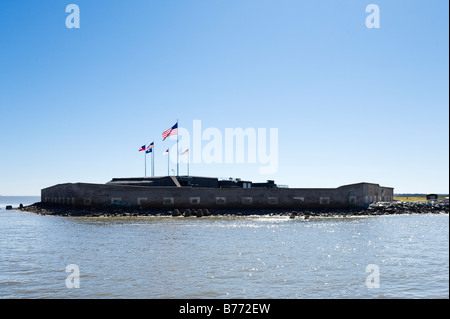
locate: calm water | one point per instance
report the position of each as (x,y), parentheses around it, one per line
(245,257)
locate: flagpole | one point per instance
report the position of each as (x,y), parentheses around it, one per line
(145,162)
(189,160)
(153,160)
(168,157)
(178,130)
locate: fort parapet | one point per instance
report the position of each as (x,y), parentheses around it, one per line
(204,192)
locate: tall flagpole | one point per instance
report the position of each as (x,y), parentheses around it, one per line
(168,157)
(153,160)
(145,162)
(189,160)
(178,129)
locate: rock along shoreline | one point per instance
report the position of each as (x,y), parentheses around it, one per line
(381,208)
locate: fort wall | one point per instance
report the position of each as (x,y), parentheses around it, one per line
(92,195)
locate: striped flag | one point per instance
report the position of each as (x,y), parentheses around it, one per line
(150,148)
(171,131)
(185,152)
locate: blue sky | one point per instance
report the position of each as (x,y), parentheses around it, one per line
(351,104)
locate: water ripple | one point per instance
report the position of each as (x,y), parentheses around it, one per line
(246,257)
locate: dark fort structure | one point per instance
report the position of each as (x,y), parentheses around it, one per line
(209,192)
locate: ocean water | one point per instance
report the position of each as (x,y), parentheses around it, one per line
(397,256)
(15,201)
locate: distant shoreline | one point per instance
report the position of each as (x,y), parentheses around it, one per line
(440,206)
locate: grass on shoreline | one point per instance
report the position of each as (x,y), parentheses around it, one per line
(415,198)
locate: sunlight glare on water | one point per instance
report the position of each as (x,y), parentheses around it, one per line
(226,257)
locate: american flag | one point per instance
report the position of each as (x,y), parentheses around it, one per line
(171,131)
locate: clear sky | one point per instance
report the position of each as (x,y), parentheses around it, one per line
(350,103)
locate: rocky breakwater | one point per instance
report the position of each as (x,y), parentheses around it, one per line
(399,207)
(380,208)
